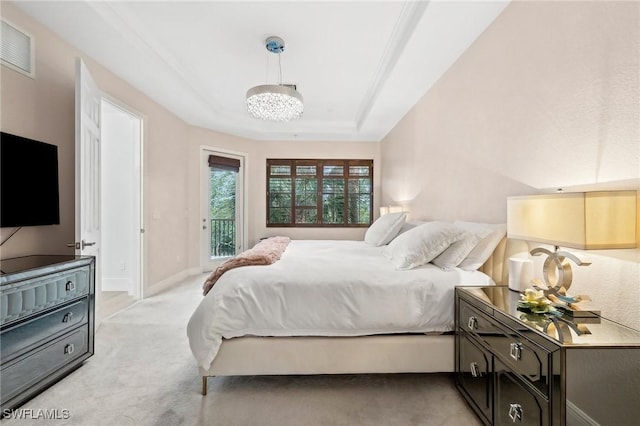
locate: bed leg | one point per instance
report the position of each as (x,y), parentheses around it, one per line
(204,385)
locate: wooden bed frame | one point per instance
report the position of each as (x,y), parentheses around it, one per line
(392,353)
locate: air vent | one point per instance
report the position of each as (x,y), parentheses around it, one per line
(17,50)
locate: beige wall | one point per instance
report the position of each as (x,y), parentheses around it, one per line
(43,109)
(547,97)
(257,152)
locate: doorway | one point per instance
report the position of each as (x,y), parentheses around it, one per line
(121,224)
(223,218)
(108,191)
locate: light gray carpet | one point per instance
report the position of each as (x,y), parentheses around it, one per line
(143,373)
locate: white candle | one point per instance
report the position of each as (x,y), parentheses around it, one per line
(520,273)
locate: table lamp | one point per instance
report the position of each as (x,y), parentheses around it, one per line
(581,220)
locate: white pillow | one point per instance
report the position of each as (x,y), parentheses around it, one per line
(410,225)
(490,236)
(457,252)
(421,244)
(384,229)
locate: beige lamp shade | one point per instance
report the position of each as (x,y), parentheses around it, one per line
(581,220)
(390,209)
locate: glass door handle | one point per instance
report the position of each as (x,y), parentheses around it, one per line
(472,323)
(515,350)
(475,369)
(516,412)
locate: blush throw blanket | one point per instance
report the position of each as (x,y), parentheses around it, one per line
(265,252)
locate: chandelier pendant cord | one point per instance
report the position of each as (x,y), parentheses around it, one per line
(279,73)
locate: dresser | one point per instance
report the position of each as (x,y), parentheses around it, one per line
(46,322)
(515,367)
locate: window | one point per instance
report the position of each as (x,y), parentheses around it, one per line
(319,192)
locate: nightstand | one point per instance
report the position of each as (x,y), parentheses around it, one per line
(533,369)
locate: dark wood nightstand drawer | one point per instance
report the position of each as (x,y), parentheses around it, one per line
(586,375)
(515,402)
(523,357)
(474,375)
(473,320)
(521,354)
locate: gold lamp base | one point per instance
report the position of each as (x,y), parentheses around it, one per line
(556,270)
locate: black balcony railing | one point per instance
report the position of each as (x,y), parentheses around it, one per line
(223,237)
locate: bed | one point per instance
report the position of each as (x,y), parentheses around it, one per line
(333,307)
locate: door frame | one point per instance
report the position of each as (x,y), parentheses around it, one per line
(140,241)
(241,213)
(86,86)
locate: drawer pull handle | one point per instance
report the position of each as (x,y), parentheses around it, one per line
(475,370)
(515,351)
(472,323)
(70,286)
(515,412)
(68,349)
(67,317)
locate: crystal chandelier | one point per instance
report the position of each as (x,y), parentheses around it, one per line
(275,102)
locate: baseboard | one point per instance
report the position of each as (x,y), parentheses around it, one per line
(116,284)
(575,416)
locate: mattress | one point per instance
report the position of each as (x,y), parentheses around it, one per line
(326,288)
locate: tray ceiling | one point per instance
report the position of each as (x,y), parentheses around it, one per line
(360,65)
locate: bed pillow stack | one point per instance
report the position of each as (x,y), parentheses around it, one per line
(466,245)
(385,229)
(453,255)
(489,236)
(420,245)
(410,224)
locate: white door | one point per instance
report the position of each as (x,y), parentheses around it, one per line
(88,101)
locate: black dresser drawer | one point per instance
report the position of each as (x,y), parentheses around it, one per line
(35,366)
(474,375)
(516,403)
(524,356)
(19,338)
(544,370)
(473,320)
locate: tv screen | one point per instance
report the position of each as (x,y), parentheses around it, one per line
(28,182)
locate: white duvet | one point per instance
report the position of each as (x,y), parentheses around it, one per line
(325,288)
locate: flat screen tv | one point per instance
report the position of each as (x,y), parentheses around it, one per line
(29,194)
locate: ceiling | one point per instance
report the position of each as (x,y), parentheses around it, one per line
(360,65)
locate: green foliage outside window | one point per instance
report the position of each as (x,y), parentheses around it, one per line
(319,192)
(222,209)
